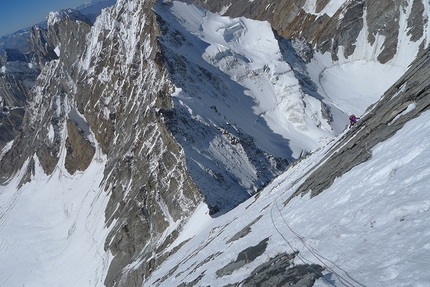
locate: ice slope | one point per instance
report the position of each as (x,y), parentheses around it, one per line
(52,230)
(370,228)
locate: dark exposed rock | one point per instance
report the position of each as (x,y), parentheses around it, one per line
(280,271)
(416,20)
(15,84)
(245,231)
(191,272)
(80,151)
(29,173)
(41,45)
(320,5)
(382,19)
(14,90)
(244,257)
(192,283)
(10,121)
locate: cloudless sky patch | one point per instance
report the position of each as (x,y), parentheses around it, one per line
(19,14)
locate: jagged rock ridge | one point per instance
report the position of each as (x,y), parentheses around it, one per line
(103,88)
(22,54)
(109,92)
(102,96)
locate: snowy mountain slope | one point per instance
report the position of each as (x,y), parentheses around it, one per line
(248,53)
(368,228)
(52,230)
(142,117)
(254,106)
(405,100)
(100,95)
(362,45)
(258,86)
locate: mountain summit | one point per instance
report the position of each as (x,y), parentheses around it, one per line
(167,145)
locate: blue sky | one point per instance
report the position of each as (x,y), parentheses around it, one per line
(18,14)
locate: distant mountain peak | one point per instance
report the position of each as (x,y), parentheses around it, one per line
(60,15)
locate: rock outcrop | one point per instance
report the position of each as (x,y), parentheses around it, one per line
(327,28)
(18,74)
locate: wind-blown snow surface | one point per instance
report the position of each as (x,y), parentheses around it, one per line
(52,229)
(370,228)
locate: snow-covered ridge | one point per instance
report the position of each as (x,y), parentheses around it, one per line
(57,16)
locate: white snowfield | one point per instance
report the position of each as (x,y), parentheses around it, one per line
(370,228)
(52,230)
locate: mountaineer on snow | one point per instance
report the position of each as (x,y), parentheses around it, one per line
(352,120)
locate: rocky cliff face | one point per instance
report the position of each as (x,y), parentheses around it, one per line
(329,26)
(47,103)
(22,55)
(18,73)
(122,87)
(102,96)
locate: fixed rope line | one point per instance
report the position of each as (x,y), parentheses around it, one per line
(296,251)
(308,248)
